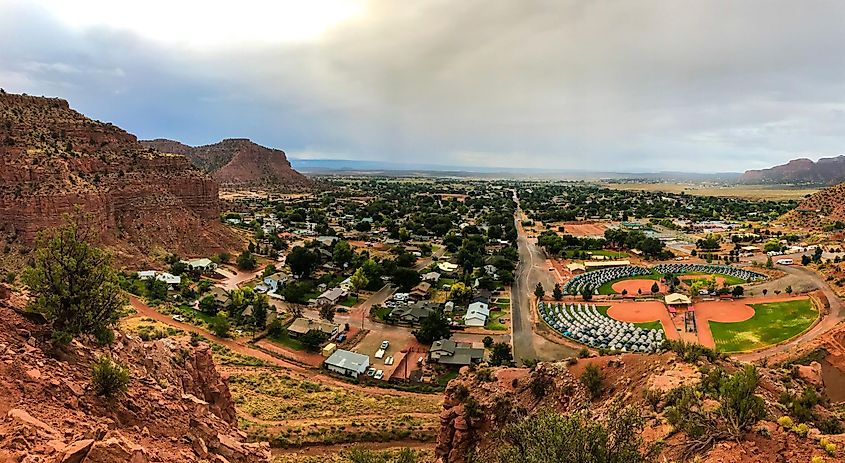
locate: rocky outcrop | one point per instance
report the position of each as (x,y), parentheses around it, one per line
(825,171)
(54,160)
(822,208)
(239,163)
(177,407)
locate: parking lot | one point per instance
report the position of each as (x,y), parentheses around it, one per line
(399,339)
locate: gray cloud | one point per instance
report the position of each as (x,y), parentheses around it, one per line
(626,85)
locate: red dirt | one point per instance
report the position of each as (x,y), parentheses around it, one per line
(632,286)
(646,311)
(583,229)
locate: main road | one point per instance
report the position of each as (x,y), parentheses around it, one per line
(531,269)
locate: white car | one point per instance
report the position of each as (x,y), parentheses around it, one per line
(380,354)
(388,360)
(379,374)
(178,318)
(385,344)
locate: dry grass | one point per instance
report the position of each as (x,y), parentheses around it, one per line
(292,412)
(771,192)
(345,456)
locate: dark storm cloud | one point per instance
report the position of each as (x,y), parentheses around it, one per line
(626,85)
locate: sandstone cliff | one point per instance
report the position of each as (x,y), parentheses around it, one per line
(822,208)
(177,407)
(53,159)
(825,171)
(239,163)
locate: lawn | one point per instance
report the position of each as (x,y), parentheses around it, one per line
(772,323)
(656,325)
(285,340)
(730,280)
(493,319)
(607,288)
(193,315)
(349,300)
(610,254)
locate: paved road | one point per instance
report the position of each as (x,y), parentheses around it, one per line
(532,268)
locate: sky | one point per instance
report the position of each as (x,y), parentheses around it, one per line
(623,86)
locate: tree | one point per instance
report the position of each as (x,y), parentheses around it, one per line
(765,291)
(769,263)
(342,253)
(460,292)
(259,311)
(738,291)
(246,261)
(788,289)
(268,270)
(73,285)
(312,340)
(805,260)
(591,378)
(539,291)
(487,341)
(557,293)
(208,305)
(433,328)
(655,288)
(327,312)
(405,278)
(220,326)
(301,261)
(587,293)
(359,280)
(624,292)
(501,354)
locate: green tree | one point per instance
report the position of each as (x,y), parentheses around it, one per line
(268,270)
(327,312)
(557,293)
(73,285)
(655,288)
(539,291)
(246,261)
(587,293)
(788,289)
(220,325)
(487,341)
(500,354)
(433,328)
(342,253)
(405,278)
(769,263)
(738,291)
(302,261)
(460,293)
(312,340)
(359,280)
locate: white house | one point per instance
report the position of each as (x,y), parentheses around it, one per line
(477,314)
(331,297)
(347,363)
(170,279)
(346,285)
(275,281)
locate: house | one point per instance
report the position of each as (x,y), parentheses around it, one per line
(146,274)
(200,265)
(447,267)
(326,240)
(331,296)
(431,277)
(448,352)
(576,268)
(413,314)
(170,279)
(346,285)
(477,314)
(303,325)
(449,307)
(276,281)
(221,296)
(420,291)
(482,295)
(347,363)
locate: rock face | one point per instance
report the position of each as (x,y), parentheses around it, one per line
(177,407)
(826,171)
(239,163)
(54,160)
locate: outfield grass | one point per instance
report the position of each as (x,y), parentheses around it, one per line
(607,288)
(772,323)
(610,254)
(730,280)
(656,325)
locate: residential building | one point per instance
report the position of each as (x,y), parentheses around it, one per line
(477,314)
(448,352)
(431,277)
(347,363)
(303,325)
(331,296)
(413,314)
(420,291)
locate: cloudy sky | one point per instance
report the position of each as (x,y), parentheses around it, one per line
(634,85)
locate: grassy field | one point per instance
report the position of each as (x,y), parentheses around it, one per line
(772,323)
(730,280)
(609,254)
(607,288)
(292,412)
(355,454)
(758,192)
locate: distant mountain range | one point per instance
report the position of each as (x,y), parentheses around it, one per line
(388,168)
(825,171)
(238,162)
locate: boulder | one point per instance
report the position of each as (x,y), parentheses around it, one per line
(76,451)
(811,373)
(115,449)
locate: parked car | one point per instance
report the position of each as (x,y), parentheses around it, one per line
(385,344)
(371,372)
(341,337)
(178,318)
(388,360)
(379,374)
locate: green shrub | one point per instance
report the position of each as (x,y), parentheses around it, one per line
(109,377)
(592,379)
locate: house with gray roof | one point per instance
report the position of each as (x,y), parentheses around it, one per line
(448,352)
(347,363)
